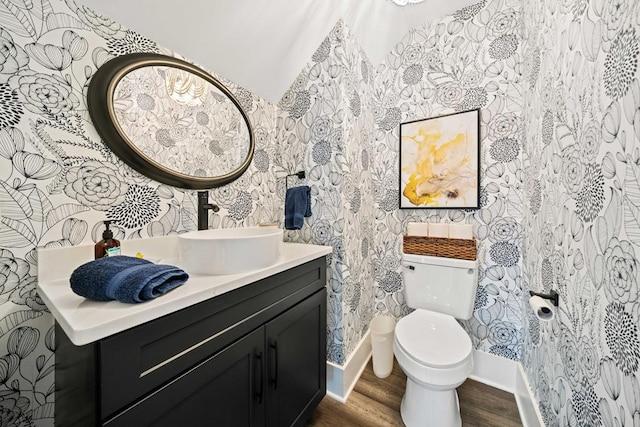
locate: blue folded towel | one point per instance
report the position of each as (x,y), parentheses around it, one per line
(126,279)
(297,205)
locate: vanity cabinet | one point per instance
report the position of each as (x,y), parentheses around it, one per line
(255,356)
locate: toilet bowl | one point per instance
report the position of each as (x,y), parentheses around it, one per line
(436,355)
(431,347)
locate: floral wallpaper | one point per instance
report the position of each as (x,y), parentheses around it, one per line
(325,124)
(58,181)
(469,60)
(181,121)
(557,85)
(582,199)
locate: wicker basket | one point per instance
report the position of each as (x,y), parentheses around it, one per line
(438,246)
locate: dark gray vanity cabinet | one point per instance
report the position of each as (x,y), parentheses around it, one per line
(251,357)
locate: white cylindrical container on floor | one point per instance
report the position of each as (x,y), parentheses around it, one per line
(382,328)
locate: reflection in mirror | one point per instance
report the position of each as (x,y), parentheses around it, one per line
(170,121)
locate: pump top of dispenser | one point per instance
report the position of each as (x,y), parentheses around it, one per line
(107,234)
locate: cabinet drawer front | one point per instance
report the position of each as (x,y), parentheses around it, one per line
(137,361)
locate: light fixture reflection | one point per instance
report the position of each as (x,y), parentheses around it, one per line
(184,87)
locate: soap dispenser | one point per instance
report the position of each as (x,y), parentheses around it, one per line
(108,246)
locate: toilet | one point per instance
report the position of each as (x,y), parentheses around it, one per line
(431,347)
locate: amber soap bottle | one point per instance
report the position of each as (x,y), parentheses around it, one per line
(108,246)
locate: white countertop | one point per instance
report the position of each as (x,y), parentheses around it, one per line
(86,321)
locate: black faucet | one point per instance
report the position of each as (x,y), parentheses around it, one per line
(203,207)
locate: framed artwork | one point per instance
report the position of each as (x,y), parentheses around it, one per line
(440,162)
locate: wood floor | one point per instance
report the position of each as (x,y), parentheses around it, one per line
(376,402)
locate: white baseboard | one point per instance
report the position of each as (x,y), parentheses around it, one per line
(495,371)
(527,403)
(508,375)
(342,379)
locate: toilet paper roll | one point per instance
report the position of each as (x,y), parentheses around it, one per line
(438,229)
(461,231)
(542,308)
(418,229)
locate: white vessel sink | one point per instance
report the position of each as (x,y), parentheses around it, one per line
(230,250)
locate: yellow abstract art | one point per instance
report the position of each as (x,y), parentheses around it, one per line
(439,162)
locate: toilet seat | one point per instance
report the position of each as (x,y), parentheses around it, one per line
(433,339)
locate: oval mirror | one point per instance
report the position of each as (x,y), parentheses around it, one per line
(170,121)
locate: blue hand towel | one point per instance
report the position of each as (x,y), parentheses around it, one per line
(126,279)
(297,205)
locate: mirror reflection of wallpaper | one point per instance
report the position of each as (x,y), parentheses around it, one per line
(181,121)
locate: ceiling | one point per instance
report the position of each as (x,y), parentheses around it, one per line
(263,44)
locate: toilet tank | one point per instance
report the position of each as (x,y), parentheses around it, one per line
(444,285)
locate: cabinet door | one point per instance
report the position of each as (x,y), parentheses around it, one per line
(225,390)
(296,360)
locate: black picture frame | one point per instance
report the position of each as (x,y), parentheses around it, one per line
(440,162)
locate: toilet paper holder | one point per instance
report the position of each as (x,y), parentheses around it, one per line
(553,296)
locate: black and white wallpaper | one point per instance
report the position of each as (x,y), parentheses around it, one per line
(325,123)
(58,181)
(581,154)
(557,85)
(469,60)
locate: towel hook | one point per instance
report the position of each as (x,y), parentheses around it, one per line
(299,174)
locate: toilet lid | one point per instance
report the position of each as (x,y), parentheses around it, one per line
(433,339)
